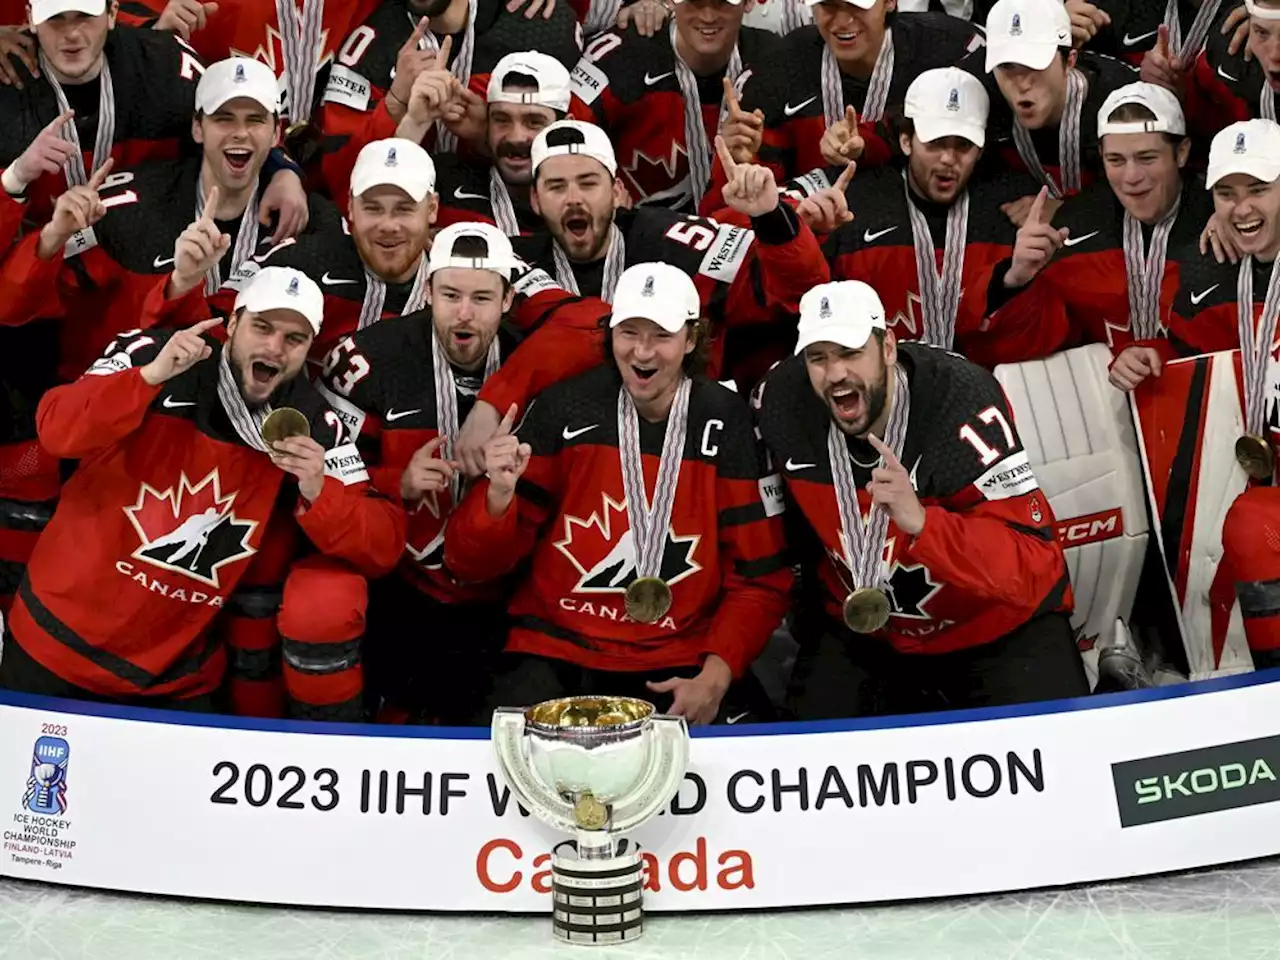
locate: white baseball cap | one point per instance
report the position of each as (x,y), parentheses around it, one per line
(1249,146)
(861,4)
(948,102)
(1028,32)
(549,77)
(283,288)
(499,256)
(394,163)
(658,292)
(235,77)
(843,312)
(1158,100)
(1262,13)
(42,10)
(574,136)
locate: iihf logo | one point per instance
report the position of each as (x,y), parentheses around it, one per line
(648,287)
(47,785)
(824,310)
(1015,28)
(240,77)
(293,287)
(391,157)
(1239,148)
(953,102)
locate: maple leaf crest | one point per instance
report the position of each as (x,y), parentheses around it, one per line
(603,552)
(190,529)
(658,180)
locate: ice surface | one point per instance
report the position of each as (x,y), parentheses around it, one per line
(1223,914)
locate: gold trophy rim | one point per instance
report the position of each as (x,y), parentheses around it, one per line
(643,712)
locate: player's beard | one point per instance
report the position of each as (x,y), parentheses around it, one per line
(507,151)
(242,378)
(589,245)
(390,264)
(870,399)
(469,353)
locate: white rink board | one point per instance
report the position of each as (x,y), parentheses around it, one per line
(140,815)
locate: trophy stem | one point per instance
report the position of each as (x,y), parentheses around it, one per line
(597,900)
(596,845)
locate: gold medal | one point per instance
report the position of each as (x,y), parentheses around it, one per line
(1256,457)
(590,813)
(302,141)
(866,610)
(648,599)
(284,422)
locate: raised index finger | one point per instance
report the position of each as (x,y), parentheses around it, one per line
(442,55)
(731,98)
(100,175)
(726,158)
(204,325)
(1037,206)
(210,206)
(891,460)
(846,177)
(415,38)
(508,421)
(55,125)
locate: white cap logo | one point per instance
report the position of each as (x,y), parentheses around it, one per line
(1015,28)
(240,77)
(648,287)
(824,311)
(293,287)
(953,102)
(391,157)
(1239,148)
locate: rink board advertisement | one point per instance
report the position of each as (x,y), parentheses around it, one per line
(848,812)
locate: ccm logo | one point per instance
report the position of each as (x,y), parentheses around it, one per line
(1093,528)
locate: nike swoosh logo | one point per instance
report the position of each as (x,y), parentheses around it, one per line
(400,414)
(1072,241)
(571,434)
(1197,297)
(171,404)
(158,262)
(793,466)
(1226,76)
(791,111)
(650,81)
(737,718)
(1130,41)
(329,281)
(868,236)
(460,194)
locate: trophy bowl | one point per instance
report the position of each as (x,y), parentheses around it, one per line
(595,767)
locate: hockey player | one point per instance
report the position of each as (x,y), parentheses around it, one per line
(448,55)
(186,446)
(662,99)
(1107,269)
(954,591)
(929,238)
(829,85)
(405,385)
(1048,97)
(527,93)
(657,567)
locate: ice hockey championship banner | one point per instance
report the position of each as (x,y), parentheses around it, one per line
(842,812)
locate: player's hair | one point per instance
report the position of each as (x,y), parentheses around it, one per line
(1140,113)
(695,361)
(476,247)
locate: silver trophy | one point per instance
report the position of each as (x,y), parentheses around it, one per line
(597,768)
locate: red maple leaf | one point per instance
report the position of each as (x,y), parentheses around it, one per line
(587,542)
(159,512)
(649,177)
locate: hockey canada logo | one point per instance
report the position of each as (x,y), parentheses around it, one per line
(190,529)
(46,791)
(604,554)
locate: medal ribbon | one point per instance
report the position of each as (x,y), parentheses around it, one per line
(1188,47)
(602,15)
(1267,103)
(877,87)
(247,423)
(1146,271)
(865,539)
(446,142)
(697,146)
(375,295)
(300,39)
(650,523)
(447,400)
(73,169)
(1256,342)
(795,14)
(246,239)
(1068,141)
(504,211)
(614,260)
(939,292)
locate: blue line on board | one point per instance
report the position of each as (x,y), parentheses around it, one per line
(1098,702)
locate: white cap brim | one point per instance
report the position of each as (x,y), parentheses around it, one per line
(1262,13)
(42,10)
(666,319)
(853,336)
(861,4)
(1260,168)
(929,129)
(1034,55)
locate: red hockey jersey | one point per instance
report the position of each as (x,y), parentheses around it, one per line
(159,522)
(723,556)
(987,560)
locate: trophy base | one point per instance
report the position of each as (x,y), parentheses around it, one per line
(597,901)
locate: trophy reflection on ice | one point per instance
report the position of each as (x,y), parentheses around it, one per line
(598,768)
